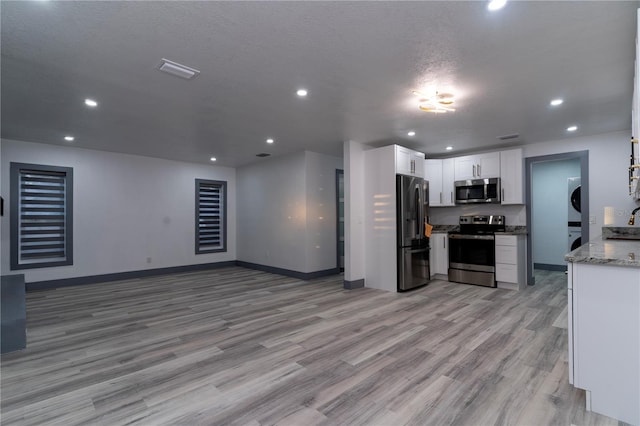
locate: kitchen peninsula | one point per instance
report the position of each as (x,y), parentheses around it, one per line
(604,323)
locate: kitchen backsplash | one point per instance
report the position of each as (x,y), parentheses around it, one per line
(514,215)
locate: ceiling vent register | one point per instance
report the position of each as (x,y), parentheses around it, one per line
(178,70)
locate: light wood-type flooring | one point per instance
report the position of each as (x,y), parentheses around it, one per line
(235,346)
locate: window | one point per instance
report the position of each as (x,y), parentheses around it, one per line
(211,216)
(41,216)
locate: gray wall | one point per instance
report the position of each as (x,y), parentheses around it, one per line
(126,208)
(286,212)
(550,200)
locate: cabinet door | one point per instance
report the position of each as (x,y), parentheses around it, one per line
(403,161)
(418,163)
(511,172)
(433,174)
(465,167)
(440,253)
(488,165)
(447,182)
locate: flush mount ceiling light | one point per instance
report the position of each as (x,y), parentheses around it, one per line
(69,138)
(302,93)
(213,159)
(411,133)
(437,103)
(177,69)
(449,148)
(90,103)
(572,128)
(269,140)
(556,102)
(496,5)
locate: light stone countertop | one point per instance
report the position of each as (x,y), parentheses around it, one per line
(514,230)
(607,252)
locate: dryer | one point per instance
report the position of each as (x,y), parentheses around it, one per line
(574,211)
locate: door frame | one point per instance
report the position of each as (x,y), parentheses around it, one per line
(339,173)
(583,156)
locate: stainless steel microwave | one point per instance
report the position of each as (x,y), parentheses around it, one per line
(477,191)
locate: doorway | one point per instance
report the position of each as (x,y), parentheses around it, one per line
(557,214)
(340,218)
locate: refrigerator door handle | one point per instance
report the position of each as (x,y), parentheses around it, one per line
(418,215)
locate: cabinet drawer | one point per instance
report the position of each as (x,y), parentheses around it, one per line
(506,240)
(506,254)
(506,273)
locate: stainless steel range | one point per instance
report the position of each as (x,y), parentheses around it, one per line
(472,255)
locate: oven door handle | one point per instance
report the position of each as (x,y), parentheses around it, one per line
(470,237)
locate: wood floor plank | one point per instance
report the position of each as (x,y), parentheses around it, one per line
(239,346)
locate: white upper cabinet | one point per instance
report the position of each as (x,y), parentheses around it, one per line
(511,174)
(477,166)
(409,162)
(440,173)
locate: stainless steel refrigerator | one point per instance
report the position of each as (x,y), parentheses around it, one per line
(413,246)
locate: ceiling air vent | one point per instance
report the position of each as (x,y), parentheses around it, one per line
(507,137)
(263,154)
(177,69)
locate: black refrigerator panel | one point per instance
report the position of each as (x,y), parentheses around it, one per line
(411,195)
(413,268)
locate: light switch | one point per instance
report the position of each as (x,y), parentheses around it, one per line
(592,220)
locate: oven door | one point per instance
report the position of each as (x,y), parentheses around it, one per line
(472,259)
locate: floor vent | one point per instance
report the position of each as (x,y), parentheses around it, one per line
(263,154)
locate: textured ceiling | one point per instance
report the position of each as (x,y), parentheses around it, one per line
(359,60)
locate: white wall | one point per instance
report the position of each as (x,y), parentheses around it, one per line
(354,211)
(321,237)
(381,238)
(550,199)
(286,213)
(126,209)
(608,174)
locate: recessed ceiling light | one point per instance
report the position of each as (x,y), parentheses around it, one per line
(556,102)
(496,5)
(69,138)
(449,148)
(269,140)
(91,103)
(572,128)
(302,93)
(213,159)
(411,133)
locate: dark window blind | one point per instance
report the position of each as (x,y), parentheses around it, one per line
(210,216)
(43,226)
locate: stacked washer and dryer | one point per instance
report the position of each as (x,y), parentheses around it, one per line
(575,215)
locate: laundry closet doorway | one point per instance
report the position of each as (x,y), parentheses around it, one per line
(557,209)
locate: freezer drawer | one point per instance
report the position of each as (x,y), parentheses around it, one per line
(413,268)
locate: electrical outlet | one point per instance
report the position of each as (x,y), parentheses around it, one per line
(592,220)
(148,260)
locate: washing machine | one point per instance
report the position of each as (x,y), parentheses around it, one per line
(575,238)
(574,218)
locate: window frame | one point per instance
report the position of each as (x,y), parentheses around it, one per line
(14,180)
(223,225)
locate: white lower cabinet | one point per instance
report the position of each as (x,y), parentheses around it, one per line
(604,338)
(439,254)
(511,262)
